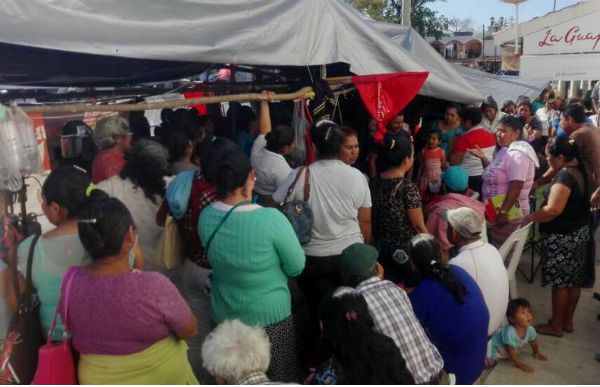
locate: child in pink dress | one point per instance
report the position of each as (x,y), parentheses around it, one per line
(434,160)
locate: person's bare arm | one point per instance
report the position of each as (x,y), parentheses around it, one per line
(477,152)
(264,118)
(189,331)
(512,195)
(557,201)
(536,351)
(416,219)
(514,357)
(364,221)
(12,299)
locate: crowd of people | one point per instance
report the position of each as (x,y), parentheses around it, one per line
(387,275)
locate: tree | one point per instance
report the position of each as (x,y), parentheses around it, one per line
(462,25)
(425,20)
(500,23)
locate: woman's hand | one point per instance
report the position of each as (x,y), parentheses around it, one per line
(528,219)
(477,152)
(267,96)
(501,218)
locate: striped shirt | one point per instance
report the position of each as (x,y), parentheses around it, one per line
(393,316)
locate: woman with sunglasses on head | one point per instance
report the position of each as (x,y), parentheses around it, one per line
(132,323)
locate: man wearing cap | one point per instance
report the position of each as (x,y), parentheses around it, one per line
(480,259)
(392,312)
(456,194)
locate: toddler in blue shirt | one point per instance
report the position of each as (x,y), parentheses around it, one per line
(510,339)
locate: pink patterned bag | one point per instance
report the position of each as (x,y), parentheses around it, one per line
(56,363)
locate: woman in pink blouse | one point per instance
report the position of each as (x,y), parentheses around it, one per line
(507,179)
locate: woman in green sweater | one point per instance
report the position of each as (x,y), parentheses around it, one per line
(252,251)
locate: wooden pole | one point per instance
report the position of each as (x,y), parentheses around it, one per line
(82,108)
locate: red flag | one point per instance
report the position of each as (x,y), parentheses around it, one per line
(386,95)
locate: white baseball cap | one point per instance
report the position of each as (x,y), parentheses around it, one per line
(465,221)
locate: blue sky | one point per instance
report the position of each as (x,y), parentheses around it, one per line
(481,10)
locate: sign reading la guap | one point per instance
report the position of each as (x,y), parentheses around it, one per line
(575,36)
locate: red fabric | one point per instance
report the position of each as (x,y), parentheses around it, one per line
(479,137)
(202,109)
(106,165)
(386,95)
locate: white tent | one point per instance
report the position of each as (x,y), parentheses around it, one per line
(248,32)
(501,87)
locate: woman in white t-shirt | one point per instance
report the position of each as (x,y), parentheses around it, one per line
(268,156)
(141,187)
(340,201)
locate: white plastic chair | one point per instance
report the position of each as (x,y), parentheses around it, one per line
(514,245)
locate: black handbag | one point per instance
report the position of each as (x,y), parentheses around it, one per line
(24,337)
(297,211)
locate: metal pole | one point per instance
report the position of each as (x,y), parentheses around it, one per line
(517,30)
(483,43)
(554,5)
(406,12)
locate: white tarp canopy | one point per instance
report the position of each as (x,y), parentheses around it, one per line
(410,41)
(249,32)
(504,87)
(501,87)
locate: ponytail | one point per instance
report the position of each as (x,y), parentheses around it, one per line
(367,357)
(103,225)
(425,253)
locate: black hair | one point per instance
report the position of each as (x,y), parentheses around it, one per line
(470,113)
(514,305)
(245,115)
(328,138)
(570,151)
(177,142)
(575,111)
(203,120)
(454,106)
(139,125)
(435,133)
(489,102)
(278,137)
(67,186)
(147,167)
(507,103)
(422,250)
(212,148)
(103,227)
(349,132)
(528,104)
(395,151)
(366,356)
(515,122)
(229,172)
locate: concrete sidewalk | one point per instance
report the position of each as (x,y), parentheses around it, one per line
(571,358)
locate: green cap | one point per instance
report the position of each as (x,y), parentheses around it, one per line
(358,259)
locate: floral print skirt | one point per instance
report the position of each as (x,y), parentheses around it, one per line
(565,258)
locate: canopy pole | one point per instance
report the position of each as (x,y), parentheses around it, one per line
(82,108)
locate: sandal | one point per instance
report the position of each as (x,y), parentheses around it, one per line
(545,329)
